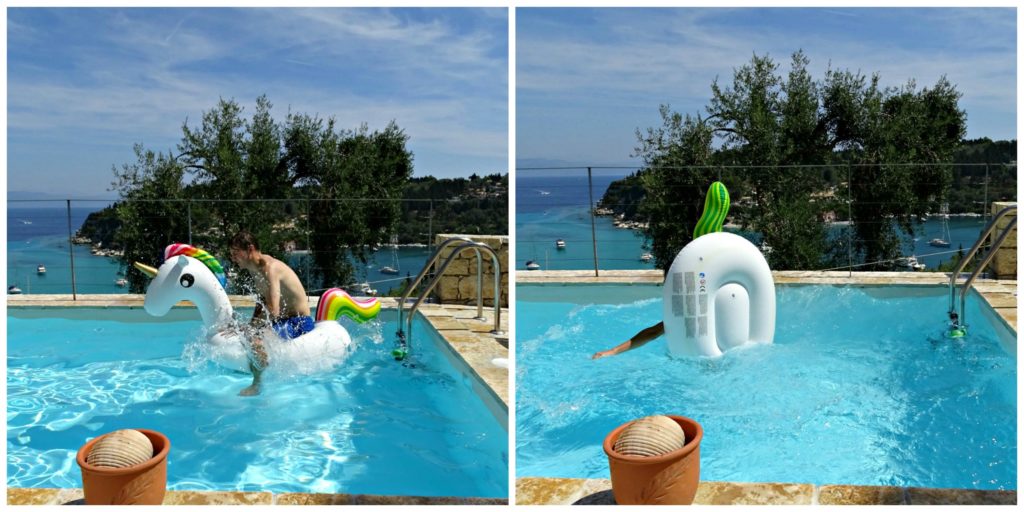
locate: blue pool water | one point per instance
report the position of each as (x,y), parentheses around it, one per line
(371,426)
(860,387)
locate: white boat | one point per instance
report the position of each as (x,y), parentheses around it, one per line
(122,282)
(364,289)
(560,243)
(13,290)
(943,241)
(911,263)
(532,265)
(40,269)
(645,257)
(389,269)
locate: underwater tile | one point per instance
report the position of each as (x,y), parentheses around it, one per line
(860,495)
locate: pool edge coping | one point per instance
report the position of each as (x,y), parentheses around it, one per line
(17,496)
(571,491)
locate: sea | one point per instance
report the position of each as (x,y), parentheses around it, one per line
(38,235)
(553,207)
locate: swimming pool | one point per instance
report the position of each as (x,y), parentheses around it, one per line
(860,387)
(372,426)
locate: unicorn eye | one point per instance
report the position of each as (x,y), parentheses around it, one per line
(187,280)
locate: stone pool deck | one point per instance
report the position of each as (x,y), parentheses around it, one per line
(1001,295)
(575,491)
(75,497)
(470,341)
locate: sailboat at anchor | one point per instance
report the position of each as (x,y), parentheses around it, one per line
(392,270)
(944,240)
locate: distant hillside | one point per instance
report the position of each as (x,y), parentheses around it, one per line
(478,204)
(967,192)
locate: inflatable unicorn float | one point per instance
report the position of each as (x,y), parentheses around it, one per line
(191,274)
(719,292)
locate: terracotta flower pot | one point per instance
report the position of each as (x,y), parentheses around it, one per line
(142,484)
(669,479)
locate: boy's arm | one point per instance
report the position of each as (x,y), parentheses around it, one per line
(273,297)
(638,340)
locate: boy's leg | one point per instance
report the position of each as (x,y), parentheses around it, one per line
(257,363)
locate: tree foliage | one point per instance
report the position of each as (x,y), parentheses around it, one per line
(150,215)
(302,182)
(782,132)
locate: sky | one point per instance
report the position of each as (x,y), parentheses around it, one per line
(587,79)
(85,85)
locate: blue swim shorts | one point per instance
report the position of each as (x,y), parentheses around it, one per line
(293,327)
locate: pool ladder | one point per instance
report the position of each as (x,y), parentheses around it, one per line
(405,336)
(958,326)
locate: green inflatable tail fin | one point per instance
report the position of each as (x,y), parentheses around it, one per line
(716,206)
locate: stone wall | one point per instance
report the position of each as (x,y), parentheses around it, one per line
(458,285)
(1004,264)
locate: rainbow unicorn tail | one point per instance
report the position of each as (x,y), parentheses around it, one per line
(716,206)
(335,302)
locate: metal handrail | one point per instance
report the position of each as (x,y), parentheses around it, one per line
(958,319)
(465,244)
(423,272)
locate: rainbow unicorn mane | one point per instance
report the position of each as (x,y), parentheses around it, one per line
(201,255)
(335,302)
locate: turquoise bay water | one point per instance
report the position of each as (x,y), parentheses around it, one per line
(39,235)
(372,425)
(553,207)
(860,387)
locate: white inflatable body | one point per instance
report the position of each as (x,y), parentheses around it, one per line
(718,294)
(186,278)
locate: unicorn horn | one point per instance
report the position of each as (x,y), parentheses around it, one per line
(146,269)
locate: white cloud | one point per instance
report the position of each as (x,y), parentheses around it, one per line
(144,72)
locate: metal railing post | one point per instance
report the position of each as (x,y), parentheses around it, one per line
(309,246)
(593,228)
(984,205)
(71,253)
(849,219)
(189,206)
